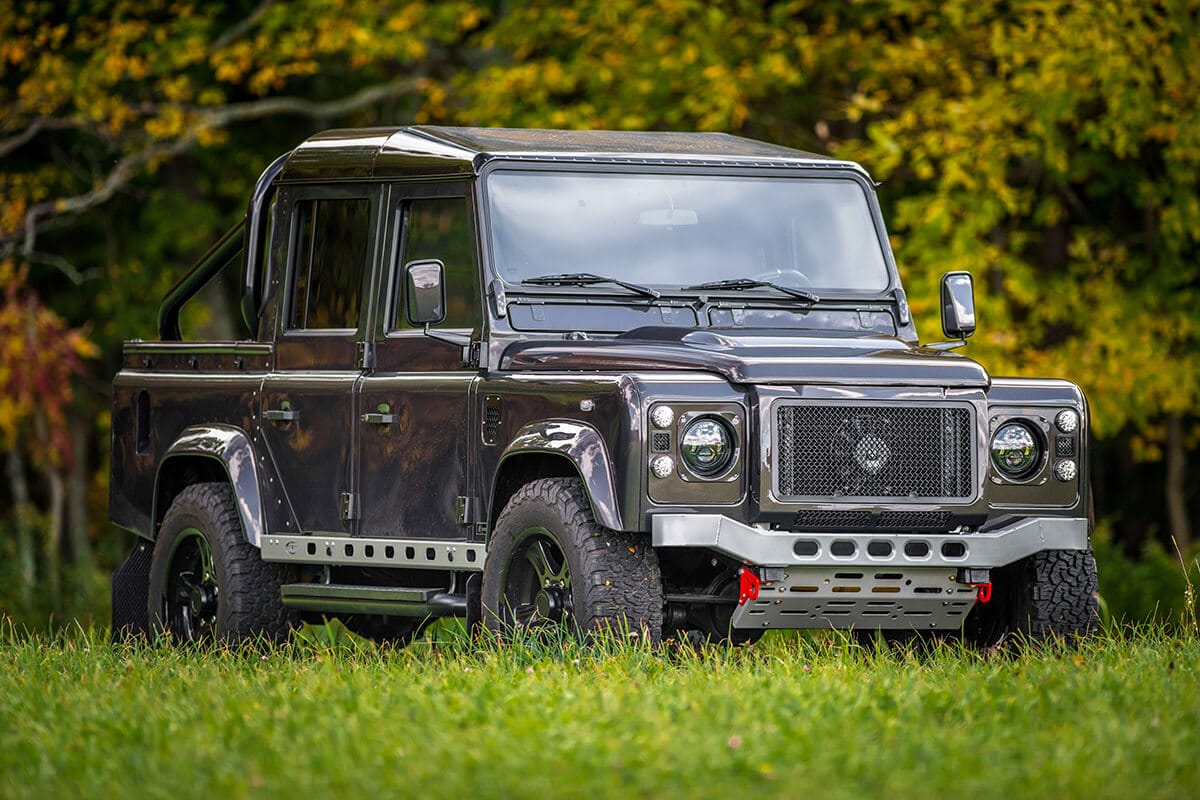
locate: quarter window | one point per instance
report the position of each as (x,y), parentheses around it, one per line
(331,257)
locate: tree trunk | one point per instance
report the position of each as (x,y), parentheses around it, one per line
(1176,491)
(77,489)
(22,516)
(52,546)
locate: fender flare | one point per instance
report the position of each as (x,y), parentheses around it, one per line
(584,447)
(231,447)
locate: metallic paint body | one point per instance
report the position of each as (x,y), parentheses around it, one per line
(412,466)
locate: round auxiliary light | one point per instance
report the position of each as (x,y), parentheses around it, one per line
(1066,470)
(707,446)
(662,466)
(1067,421)
(1016,451)
(662,416)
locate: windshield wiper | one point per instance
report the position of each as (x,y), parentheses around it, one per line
(587,279)
(737,284)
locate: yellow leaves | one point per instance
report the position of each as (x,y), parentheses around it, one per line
(170,123)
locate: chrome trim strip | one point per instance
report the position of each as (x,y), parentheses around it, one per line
(745,543)
(321,548)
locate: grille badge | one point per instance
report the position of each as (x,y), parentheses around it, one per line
(872,453)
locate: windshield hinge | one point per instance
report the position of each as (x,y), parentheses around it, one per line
(496,290)
(902,306)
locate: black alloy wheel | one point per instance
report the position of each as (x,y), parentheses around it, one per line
(537,583)
(189,604)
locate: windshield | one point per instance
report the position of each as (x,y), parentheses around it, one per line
(677,231)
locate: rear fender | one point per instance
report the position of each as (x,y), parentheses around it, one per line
(230,448)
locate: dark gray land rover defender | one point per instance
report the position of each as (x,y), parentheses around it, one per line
(665,382)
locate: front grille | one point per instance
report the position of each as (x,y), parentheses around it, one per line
(825,520)
(873,451)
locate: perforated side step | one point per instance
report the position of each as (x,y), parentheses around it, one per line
(397,601)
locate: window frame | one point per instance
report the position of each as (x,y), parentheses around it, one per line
(292,197)
(393,299)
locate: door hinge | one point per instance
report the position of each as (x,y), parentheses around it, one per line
(349,506)
(366,355)
(470,354)
(467,510)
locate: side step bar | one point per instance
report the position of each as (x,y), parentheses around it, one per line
(396,601)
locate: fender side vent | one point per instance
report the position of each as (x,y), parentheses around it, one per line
(492,415)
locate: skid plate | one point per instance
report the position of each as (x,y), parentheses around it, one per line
(860,598)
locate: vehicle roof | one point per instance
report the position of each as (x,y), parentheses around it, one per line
(432,151)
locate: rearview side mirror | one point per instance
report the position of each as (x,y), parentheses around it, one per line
(958,304)
(425,291)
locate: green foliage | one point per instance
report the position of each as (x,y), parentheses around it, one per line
(793,717)
(1149,588)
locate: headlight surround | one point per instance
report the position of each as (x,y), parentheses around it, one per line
(1016,450)
(707,447)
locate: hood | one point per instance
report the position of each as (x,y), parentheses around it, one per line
(757,357)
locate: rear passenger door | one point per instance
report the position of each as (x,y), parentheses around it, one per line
(414,430)
(307,414)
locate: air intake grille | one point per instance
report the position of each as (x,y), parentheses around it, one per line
(823,520)
(873,451)
(492,415)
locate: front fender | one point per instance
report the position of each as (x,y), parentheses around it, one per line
(584,447)
(231,447)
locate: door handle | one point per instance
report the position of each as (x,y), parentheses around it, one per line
(374,418)
(281,414)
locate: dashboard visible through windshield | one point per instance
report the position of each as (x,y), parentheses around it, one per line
(673,231)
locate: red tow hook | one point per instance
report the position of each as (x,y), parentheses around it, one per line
(748,584)
(985,591)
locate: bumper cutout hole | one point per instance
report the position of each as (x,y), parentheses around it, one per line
(842,548)
(805,548)
(879,549)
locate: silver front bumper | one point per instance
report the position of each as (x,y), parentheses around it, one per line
(864,580)
(752,545)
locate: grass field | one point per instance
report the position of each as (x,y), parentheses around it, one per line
(790,717)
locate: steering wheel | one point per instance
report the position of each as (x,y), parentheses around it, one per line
(775,275)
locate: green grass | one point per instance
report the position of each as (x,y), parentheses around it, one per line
(791,717)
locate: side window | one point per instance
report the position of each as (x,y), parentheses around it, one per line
(330,258)
(440,228)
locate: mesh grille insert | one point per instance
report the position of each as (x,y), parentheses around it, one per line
(867,451)
(660,442)
(822,520)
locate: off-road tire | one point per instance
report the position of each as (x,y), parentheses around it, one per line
(248,602)
(615,581)
(1048,595)
(1061,594)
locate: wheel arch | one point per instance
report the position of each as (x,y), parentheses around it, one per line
(221,453)
(558,449)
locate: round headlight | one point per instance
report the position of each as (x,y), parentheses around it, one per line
(662,416)
(1016,451)
(707,446)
